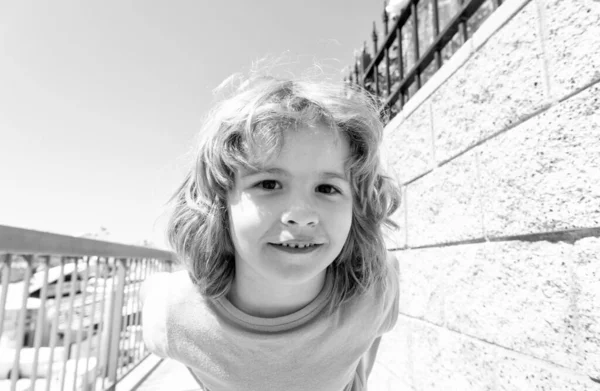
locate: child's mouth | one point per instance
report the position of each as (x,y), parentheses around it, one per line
(296,248)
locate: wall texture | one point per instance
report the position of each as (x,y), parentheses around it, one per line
(499,246)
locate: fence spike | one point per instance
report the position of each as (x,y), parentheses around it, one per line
(374,40)
(386,19)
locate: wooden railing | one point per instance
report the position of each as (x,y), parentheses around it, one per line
(70,315)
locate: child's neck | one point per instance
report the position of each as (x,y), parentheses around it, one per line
(268,300)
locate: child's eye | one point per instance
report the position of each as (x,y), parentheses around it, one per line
(327,189)
(268,185)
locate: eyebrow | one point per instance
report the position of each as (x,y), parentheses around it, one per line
(333,175)
(280,171)
(276,171)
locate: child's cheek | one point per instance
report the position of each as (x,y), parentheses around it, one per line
(248,212)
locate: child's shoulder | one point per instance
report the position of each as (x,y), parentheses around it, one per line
(392,276)
(392,260)
(165,281)
(392,291)
(164,297)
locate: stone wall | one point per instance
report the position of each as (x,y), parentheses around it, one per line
(499,246)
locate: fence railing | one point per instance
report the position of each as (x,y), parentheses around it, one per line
(423,35)
(70,315)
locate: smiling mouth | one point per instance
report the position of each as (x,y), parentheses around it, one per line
(295,245)
(296,248)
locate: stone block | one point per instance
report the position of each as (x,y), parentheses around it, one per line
(394,351)
(449,361)
(572,41)
(428,358)
(500,84)
(521,373)
(587,277)
(408,147)
(544,175)
(383,378)
(444,205)
(423,281)
(519,295)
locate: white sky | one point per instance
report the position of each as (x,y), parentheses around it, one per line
(100,101)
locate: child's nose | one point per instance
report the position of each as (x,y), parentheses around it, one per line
(302,217)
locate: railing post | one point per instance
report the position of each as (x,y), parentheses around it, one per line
(462,27)
(387,53)
(364,64)
(14,375)
(436,32)
(5,268)
(416,39)
(374,61)
(400,65)
(114,324)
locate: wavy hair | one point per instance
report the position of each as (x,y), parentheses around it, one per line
(258,114)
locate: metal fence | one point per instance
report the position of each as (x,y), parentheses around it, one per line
(423,35)
(70,315)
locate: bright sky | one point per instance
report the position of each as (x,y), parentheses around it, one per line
(100,101)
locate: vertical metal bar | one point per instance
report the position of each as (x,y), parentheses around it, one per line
(139,301)
(91,328)
(131,316)
(387,51)
(40,324)
(375,67)
(123,331)
(136,301)
(138,317)
(400,65)
(5,281)
(363,80)
(131,306)
(55,320)
(436,32)
(375,48)
(464,32)
(116,320)
(123,343)
(462,26)
(107,333)
(81,318)
(416,40)
(386,19)
(68,327)
(387,72)
(21,325)
(149,271)
(100,370)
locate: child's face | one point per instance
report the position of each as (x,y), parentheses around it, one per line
(303,198)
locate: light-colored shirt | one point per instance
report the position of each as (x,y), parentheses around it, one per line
(229,350)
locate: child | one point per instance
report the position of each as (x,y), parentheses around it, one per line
(280,226)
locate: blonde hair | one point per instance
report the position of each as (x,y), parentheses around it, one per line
(258,115)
